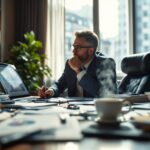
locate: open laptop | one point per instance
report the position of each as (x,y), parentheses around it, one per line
(12,84)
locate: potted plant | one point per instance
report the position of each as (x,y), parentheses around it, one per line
(29,62)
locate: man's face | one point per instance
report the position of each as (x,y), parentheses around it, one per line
(82,49)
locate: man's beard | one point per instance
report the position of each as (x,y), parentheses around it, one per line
(83,58)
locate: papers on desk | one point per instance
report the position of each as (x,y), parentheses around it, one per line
(61,100)
(143,106)
(32,104)
(28,106)
(43,127)
(67,131)
(16,128)
(4,115)
(134,98)
(52,110)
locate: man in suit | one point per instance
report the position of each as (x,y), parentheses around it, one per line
(87,74)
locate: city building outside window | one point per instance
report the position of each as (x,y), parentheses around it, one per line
(113,29)
(78,16)
(142,25)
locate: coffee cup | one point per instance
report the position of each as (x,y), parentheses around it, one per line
(109,109)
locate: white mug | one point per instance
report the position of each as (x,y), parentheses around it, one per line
(108,109)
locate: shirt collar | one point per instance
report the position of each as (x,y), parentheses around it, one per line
(87,65)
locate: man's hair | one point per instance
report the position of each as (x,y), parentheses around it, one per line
(89,36)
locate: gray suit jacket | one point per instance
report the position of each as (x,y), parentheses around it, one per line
(99,80)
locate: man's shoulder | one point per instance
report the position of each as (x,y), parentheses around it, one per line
(101,57)
(104,61)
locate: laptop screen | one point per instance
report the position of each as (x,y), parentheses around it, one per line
(11,81)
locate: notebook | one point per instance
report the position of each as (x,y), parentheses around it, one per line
(12,84)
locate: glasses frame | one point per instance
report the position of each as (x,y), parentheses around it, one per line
(78,47)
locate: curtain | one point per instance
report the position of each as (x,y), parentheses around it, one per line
(55,37)
(7,28)
(31,15)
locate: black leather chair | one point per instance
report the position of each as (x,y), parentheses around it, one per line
(137,70)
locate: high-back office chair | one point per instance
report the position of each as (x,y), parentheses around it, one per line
(137,70)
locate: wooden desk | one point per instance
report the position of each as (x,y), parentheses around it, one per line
(87,143)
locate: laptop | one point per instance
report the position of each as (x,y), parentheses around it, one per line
(12,84)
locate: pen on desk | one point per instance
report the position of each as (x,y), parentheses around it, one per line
(41,91)
(39,88)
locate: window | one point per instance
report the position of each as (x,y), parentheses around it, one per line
(113,25)
(142,27)
(113,29)
(123,25)
(78,16)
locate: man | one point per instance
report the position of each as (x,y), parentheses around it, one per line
(87,74)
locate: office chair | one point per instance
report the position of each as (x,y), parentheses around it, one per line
(137,78)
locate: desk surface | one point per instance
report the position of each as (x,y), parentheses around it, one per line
(87,143)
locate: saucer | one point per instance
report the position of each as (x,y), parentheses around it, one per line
(108,122)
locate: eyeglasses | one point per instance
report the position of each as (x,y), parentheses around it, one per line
(78,47)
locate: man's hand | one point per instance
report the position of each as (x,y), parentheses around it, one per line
(44,92)
(75,63)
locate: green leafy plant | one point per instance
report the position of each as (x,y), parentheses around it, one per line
(29,62)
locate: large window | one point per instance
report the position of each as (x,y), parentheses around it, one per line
(113,29)
(124,25)
(113,25)
(142,25)
(78,16)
